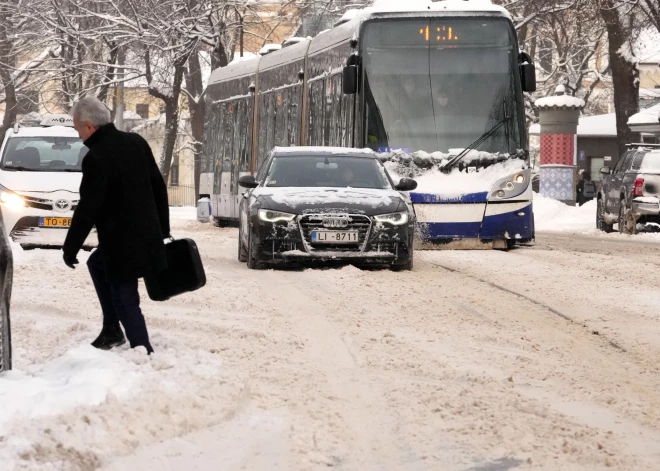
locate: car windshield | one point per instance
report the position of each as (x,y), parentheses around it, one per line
(44,154)
(648,162)
(339,172)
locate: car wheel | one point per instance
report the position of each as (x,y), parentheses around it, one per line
(406,266)
(626,223)
(242,252)
(601,225)
(252,262)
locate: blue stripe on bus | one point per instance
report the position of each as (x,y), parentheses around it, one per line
(439,199)
(511,224)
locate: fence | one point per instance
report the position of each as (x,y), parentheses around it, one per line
(181,195)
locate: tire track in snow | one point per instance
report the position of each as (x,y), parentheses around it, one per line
(531,300)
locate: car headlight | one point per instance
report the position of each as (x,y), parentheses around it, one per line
(11,199)
(520,178)
(268,215)
(396,219)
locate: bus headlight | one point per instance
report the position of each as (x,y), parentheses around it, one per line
(510,186)
(396,219)
(268,215)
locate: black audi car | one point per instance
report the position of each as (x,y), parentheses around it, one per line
(320,204)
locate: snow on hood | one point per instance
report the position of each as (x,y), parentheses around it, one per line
(296,197)
(425,169)
(40,182)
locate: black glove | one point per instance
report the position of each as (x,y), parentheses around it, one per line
(70,261)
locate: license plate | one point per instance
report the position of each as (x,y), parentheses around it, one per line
(55,222)
(335,237)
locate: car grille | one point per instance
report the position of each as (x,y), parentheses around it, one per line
(274,246)
(47,205)
(389,247)
(356,222)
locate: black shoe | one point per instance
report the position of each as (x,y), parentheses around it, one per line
(111,336)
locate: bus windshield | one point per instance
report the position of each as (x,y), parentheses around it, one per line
(439,84)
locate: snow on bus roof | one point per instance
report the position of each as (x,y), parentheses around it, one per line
(422,6)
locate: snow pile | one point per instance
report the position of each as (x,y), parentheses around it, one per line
(553,215)
(82,376)
(96,382)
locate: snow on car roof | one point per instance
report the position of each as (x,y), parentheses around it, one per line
(315,150)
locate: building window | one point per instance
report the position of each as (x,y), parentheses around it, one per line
(174,171)
(27,102)
(142,110)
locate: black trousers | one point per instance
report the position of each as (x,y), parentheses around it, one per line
(120,302)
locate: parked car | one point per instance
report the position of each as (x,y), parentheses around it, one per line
(317,204)
(630,192)
(40,175)
(6,273)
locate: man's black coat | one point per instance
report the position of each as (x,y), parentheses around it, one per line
(124,195)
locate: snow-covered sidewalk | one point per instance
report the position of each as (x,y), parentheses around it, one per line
(554,216)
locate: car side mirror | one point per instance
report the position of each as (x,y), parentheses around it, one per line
(406,184)
(605,171)
(528,77)
(248,181)
(350,80)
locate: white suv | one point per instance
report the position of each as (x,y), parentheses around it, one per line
(40,174)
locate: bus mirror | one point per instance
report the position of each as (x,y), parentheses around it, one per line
(350,80)
(528,77)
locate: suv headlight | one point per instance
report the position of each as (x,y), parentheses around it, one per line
(268,215)
(396,219)
(10,199)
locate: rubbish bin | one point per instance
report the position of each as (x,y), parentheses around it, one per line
(204,209)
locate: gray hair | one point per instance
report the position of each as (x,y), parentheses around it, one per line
(90,109)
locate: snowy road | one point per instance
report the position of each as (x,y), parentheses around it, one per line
(540,358)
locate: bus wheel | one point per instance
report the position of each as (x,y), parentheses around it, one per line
(221,222)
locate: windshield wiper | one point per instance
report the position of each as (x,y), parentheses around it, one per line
(452,162)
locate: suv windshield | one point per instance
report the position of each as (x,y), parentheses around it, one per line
(339,172)
(647,162)
(44,154)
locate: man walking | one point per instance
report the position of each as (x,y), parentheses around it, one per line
(124,195)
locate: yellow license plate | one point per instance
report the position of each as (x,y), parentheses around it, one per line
(55,222)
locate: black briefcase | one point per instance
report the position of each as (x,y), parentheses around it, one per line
(184,272)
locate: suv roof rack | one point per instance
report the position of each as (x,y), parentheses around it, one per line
(642,144)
